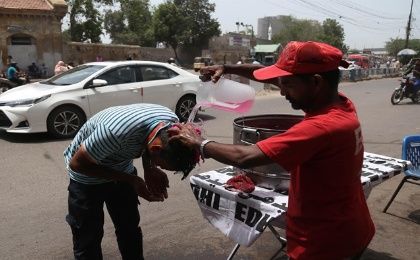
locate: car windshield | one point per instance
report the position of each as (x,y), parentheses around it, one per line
(74,76)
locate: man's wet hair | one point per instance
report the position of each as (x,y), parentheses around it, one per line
(178,155)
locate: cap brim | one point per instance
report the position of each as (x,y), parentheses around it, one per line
(270,72)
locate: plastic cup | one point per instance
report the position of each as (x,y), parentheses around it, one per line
(226,95)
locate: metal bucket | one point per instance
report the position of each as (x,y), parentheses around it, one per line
(251,129)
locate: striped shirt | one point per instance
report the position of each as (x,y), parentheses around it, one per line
(116,136)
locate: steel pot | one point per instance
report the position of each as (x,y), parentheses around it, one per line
(251,129)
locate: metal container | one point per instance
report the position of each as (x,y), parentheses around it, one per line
(251,129)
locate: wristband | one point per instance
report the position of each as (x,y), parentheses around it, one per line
(203,143)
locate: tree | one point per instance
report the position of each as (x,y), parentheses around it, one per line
(200,27)
(297,30)
(294,29)
(170,26)
(354,51)
(393,46)
(85,20)
(333,34)
(131,24)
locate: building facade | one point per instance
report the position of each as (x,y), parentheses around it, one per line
(269,26)
(30,31)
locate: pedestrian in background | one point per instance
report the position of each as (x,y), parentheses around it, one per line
(61,67)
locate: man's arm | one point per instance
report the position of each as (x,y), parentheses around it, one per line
(244,70)
(83,163)
(157,181)
(241,156)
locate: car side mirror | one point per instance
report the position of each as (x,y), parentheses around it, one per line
(99,83)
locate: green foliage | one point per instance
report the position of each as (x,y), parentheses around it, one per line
(85,20)
(294,29)
(131,24)
(333,34)
(354,51)
(393,46)
(179,23)
(297,30)
(169,25)
(200,27)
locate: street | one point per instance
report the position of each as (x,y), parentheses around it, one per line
(33,191)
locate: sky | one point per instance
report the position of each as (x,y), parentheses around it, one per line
(367,24)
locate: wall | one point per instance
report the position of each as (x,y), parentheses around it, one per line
(45,31)
(221,51)
(79,53)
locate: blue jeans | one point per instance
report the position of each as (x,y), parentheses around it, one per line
(416,85)
(86,219)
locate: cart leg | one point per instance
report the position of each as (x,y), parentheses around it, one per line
(282,240)
(235,249)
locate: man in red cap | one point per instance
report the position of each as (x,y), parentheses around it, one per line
(327,215)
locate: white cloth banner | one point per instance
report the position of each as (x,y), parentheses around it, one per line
(243,217)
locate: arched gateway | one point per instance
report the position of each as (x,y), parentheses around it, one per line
(30,31)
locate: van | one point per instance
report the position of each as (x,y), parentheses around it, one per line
(360,60)
(200,62)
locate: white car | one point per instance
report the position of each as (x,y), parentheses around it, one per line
(60,105)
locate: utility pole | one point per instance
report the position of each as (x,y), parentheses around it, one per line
(408,26)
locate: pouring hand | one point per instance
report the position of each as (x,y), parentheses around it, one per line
(212,72)
(186,134)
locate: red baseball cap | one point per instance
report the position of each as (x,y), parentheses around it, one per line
(303,58)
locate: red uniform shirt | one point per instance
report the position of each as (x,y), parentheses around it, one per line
(327,216)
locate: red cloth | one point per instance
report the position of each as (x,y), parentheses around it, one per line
(241,182)
(327,216)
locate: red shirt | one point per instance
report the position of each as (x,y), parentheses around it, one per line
(327,216)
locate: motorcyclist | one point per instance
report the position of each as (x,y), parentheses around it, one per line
(172,61)
(13,74)
(415,80)
(34,71)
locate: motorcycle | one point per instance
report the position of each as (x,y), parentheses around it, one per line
(6,84)
(405,91)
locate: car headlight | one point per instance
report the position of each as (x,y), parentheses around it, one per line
(26,102)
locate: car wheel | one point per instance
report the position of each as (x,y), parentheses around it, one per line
(65,121)
(184,107)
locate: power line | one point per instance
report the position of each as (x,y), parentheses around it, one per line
(364,10)
(329,12)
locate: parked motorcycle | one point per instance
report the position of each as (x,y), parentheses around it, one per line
(6,84)
(405,91)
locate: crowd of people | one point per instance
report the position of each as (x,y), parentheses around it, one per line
(17,75)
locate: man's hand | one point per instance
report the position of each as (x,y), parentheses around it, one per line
(157,182)
(141,189)
(212,72)
(186,134)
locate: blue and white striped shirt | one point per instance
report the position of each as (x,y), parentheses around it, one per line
(116,136)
